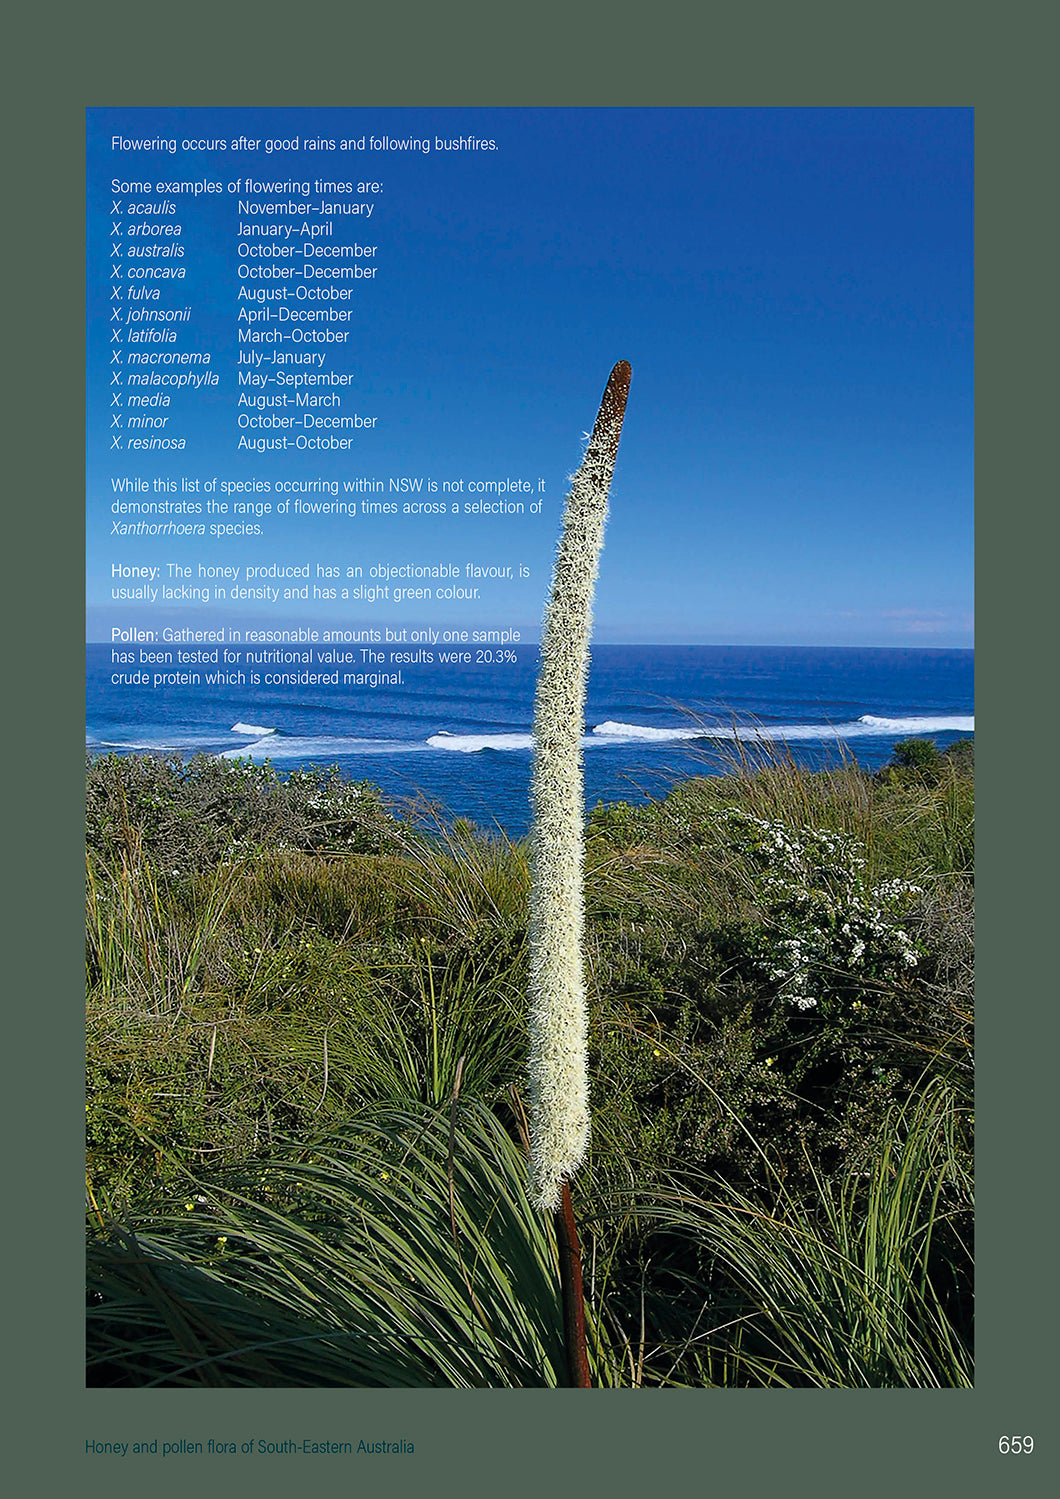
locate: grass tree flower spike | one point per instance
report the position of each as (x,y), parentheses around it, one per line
(559,1085)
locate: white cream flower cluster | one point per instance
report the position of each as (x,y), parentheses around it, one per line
(825,924)
(559,1084)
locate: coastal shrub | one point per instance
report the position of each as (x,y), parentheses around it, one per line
(919,757)
(756,940)
(864,1280)
(469,887)
(905,826)
(961,754)
(400,1251)
(282,993)
(443,1022)
(824,935)
(275,993)
(191,814)
(210,1089)
(682,1090)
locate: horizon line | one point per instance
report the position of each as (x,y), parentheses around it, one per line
(749,645)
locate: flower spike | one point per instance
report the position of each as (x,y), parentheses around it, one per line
(559,1085)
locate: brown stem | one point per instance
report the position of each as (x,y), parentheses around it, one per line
(570,1279)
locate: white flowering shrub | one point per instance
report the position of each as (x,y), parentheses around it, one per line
(827,930)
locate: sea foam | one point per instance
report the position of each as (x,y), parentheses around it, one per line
(256,729)
(868,725)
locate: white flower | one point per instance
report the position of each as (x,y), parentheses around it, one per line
(559,1082)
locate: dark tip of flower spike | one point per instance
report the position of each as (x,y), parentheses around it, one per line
(613,404)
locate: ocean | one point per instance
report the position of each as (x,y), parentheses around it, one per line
(460,735)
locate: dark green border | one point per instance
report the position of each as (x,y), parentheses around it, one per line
(776,53)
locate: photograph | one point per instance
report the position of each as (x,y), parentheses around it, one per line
(529,752)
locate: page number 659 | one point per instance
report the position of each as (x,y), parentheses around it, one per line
(1015,1444)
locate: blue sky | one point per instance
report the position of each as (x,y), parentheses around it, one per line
(793,289)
